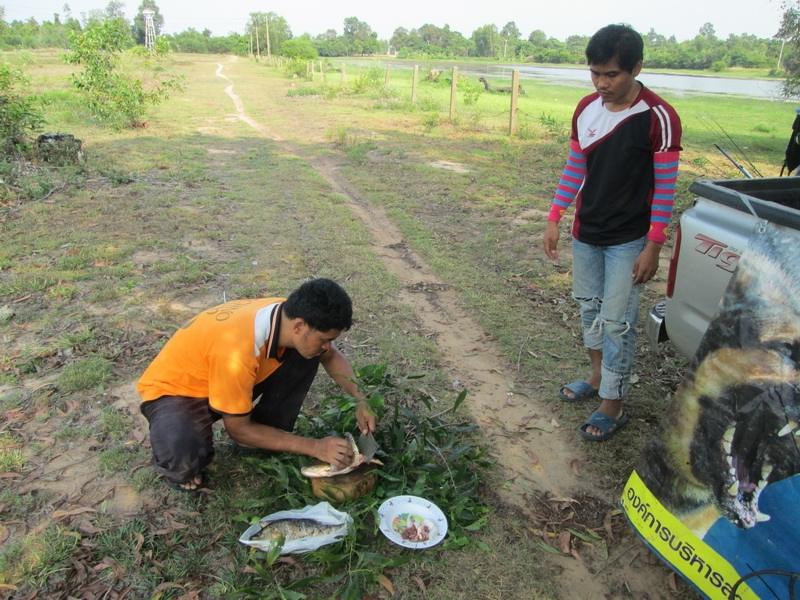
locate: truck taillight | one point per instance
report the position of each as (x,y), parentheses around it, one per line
(673,262)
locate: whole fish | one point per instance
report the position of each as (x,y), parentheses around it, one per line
(284,530)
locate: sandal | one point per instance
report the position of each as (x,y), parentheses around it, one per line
(581,390)
(608,426)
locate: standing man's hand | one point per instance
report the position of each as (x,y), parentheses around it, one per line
(335,451)
(551,240)
(366,419)
(646,264)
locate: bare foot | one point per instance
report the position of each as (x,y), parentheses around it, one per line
(193,484)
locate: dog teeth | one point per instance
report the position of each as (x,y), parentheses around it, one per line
(733,490)
(726,445)
(728,435)
(788,428)
(761,517)
(766,471)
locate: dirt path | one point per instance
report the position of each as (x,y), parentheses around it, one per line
(535,452)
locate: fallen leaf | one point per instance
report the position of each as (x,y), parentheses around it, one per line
(564,541)
(249,570)
(386,583)
(60,514)
(420,584)
(139,543)
(86,527)
(607,525)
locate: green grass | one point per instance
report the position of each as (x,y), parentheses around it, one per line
(11,458)
(84,374)
(39,558)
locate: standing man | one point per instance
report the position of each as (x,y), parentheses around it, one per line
(251,364)
(621,173)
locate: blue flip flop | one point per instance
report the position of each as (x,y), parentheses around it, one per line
(581,390)
(608,426)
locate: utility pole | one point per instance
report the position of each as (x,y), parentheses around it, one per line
(149,30)
(269,51)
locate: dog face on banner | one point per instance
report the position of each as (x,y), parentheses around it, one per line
(734,426)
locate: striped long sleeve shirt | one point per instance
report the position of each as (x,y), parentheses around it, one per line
(621,171)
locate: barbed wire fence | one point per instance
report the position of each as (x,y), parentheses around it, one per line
(408,83)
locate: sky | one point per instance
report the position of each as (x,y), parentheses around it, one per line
(681,18)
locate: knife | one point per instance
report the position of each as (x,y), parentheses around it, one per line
(367,446)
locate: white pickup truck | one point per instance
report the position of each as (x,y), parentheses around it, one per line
(709,239)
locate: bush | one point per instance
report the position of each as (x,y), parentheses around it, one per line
(114,98)
(471,91)
(370,80)
(297,67)
(299,48)
(19,114)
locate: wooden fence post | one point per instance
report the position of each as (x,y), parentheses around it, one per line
(512,121)
(453,92)
(386,77)
(322,71)
(414,78)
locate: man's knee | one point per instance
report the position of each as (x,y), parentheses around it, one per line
(615,328)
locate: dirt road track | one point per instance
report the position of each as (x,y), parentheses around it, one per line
(533,459)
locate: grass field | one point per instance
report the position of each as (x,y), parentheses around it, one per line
(100,263)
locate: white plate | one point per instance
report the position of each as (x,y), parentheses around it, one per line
(400,511)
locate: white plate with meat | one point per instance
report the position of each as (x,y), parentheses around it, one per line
(412,522)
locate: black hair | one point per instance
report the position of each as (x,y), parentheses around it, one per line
(322,304)
(616,41)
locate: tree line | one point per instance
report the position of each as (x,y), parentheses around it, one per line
(704,51)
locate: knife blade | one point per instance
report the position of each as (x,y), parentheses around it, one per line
(367,446)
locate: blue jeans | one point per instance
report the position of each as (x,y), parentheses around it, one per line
(602,284)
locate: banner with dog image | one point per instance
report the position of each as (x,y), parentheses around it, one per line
(717,495)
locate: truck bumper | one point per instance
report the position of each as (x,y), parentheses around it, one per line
(655,327)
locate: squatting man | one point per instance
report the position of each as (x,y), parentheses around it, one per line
(251,364)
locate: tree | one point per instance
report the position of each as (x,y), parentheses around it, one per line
(486,40)
(510,34)
(114,97)
(537,37)
(359,37)
(707,31)
(790,32)
(115,9)
(138,21)
(279,30)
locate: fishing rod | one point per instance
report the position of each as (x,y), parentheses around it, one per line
(742,170)
(741,152)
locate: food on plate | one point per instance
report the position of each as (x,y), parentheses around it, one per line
(284,530)
(413,528)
